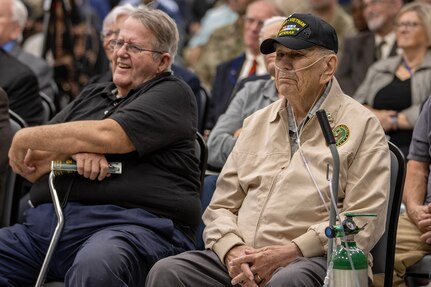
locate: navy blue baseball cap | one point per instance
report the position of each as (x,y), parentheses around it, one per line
(302,31)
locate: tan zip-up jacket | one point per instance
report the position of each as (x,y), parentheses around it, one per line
(265,196)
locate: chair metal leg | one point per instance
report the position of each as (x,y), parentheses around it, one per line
(57,232)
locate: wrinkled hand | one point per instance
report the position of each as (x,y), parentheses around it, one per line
(418,213)
(242,268)
(41,161)
(421,216)
(17,157)
(91,165)
(263,262)
(385,118)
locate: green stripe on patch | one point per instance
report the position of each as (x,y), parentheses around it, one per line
(341,134)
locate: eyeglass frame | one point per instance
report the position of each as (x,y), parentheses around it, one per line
(409,25)
(134,49)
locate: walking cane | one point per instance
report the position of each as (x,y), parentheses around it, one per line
(59,168)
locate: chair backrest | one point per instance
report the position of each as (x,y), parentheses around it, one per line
(16,123)
(203,109)
(384,251)
(17,119)
(202,154)
(48,107)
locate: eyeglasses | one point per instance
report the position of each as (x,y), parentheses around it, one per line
(407,25)
(109,33)
(130,47)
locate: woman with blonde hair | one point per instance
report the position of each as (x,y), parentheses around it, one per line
(395,88)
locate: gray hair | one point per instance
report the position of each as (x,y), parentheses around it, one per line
(163,28)
(423,10)
(269,22)
(20,15)
(123,10)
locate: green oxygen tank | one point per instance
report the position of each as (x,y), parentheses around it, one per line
(349,263)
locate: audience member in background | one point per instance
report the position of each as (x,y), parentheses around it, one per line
(21,86)
(362,50)
(424,1)
(6,138)
(357,12)
(265,223)
(13,20)
(216,17)
(395,88)
(291,6)
(118,226)
(255,95)
(413,234)
(337,17)
(224,44)
(249,63)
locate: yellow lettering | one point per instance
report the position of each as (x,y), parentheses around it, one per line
(296,20)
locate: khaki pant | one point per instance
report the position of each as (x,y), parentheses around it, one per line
(409,249)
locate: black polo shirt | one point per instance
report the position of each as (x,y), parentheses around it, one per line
(162,175)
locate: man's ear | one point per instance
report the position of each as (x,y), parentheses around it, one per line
(165,60)
(329,69)
(15,32)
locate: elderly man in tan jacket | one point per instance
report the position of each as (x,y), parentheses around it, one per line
(265,223)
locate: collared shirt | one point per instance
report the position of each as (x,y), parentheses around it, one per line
(8,46)
(260,69)
(389,43)
(266,197)
(162,174)
(293,133)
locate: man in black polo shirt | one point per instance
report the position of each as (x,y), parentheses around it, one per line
(117,226)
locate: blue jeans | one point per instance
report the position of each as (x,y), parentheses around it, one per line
(102,245)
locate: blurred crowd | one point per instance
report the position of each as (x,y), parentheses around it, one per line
(50,50)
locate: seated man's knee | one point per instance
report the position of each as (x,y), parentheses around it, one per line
(107,257)
(165,270)
(300,273)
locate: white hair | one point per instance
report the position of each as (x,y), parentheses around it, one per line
(269,22)
(19,13)
(123,10)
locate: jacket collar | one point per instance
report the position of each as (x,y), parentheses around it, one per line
(331,104)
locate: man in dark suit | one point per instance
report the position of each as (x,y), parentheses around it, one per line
(6,137)
(21,86)
(362,50)
(11,29)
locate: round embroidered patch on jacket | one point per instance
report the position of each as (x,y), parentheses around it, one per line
(341,134)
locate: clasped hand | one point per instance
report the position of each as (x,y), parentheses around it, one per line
(252,267)
(421,215)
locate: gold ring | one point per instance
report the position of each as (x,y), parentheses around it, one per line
(258,278)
